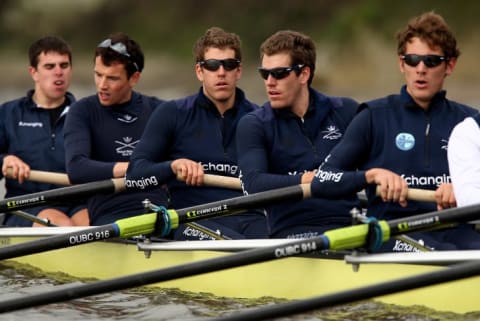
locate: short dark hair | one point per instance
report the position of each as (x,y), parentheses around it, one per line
(48,44)
(133,62)
(216,37)
(431,28)
(299,46)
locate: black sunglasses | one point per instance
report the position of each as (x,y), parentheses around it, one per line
(278,73)
(429,60)
(214,64)
(119,48)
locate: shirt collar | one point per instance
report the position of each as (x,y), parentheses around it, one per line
(205,102)
(409,102)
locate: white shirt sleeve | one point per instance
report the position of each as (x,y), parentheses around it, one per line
(464,162)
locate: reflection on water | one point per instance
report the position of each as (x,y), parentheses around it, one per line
(17,280)
(141,304)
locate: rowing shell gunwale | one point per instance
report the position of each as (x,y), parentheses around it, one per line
(290,278)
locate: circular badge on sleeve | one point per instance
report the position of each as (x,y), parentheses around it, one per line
(405,141)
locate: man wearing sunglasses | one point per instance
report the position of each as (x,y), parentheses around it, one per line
(400,141)
(103,130)
(283,143)
(195,135)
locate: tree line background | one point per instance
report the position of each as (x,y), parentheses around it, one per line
(356,47)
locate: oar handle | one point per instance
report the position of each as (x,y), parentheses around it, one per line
(218,181)
(44,177)
(63,194)
(62,179)
(416,194)
(222,181)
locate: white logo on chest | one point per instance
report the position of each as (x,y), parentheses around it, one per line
(331,133)
(126,146)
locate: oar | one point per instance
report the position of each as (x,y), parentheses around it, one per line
(252,201)
(62,194)
(161,226)
(128,227)
(417,194)
(414,194)
(218,181)
(44,177)
(159,222)
(452,273)
(173,218)
(338,239)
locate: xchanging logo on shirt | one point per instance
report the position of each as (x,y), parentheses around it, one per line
(141,183)
(300,172)
(438,180)
(193,233)
(220,168)
(30,124)
(323,176)
(401,246)
(326,176)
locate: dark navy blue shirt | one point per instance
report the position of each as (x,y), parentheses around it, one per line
(97,137)
(191,128)
(275,147)
(26,132)
(396,134)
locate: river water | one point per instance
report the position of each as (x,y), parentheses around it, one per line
(135,304)
(142,304)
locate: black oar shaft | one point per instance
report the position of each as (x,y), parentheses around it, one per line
(241,204)
(60,195)
(457,272)
(434,220)
(127,227)
(175,272)
(59,241)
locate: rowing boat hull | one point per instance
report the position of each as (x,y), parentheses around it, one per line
(289,278)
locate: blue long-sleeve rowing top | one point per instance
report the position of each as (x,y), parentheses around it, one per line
(275,147)
(26,132)
(396,134)
(97,137)
(191,128)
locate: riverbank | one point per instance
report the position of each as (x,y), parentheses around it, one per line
(366,71)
